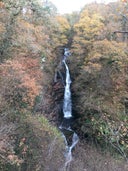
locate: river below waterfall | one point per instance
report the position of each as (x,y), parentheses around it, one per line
(70,137)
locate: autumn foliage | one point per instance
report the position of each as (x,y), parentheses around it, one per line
(99,67)
(19,82)
(27,42)
(32,39)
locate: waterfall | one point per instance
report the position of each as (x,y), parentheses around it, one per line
(67,105)
(68,154)
(67,111)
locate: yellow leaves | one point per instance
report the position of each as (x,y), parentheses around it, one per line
(2,28)
(83,14)
(89,25)
(63,24)
(109,49)
(24,25)
(62,29)
(87,29)
(40,33)
(92,67)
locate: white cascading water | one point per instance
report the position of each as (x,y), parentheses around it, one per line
(68,154)
(67,105)
(67,111)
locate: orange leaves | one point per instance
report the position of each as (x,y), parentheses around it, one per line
(31,67)
(124,1)
(19,83)
(2,5)
(32,89)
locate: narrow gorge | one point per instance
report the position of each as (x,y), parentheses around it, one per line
(70,137)
(63,86)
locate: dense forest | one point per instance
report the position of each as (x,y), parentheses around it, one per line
(32,38)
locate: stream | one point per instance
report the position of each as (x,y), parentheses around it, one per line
(70,137)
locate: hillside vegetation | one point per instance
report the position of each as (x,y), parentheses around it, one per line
(100,74)
(27,42)
(32,38)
